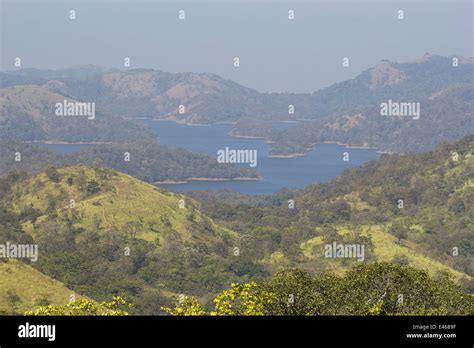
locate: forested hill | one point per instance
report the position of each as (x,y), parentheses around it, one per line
(350,112)
(209,98)
(347,112)
(29,113)
(149,161)
(101,232)
(413,209)
(446,115)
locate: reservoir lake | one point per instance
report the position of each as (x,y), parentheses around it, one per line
(323,163)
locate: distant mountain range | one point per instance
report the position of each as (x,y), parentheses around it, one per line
(102,232)
(445,115)
(346,112)
(350,112)
(28,114)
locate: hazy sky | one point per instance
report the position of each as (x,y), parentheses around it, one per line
(276,54)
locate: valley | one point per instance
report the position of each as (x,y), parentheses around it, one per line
(125,236)
(347,112)
(150,203)
(193,172)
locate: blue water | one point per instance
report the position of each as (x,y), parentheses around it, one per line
(322,164)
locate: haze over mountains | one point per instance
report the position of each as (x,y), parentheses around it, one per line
(347,112)
(188,245)
(228,158)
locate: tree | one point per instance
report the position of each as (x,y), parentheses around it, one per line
(342,209)
(246,299)
(367,289)
(387,289)
(293,293)
(83,306)
(401,259)
(53,174)
(70,181)
(13,300)
(132,228)
(242,299)
(457,205)
(186,306)
(93,187)
(399,231)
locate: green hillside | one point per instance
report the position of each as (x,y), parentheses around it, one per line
(432,230)
(149,161)
(101,232)
(107,200)
(22,287)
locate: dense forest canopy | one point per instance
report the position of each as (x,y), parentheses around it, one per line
(149,161)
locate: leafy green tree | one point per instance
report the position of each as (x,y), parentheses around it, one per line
(83,306)
(242,299)
(402,290)
(401,260)
(245,299)
(399,231)
(93,187)
(53,174)
(294,293)
(186,306)
(457,205)
(366,289)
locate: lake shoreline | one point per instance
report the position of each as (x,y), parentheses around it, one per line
(67,143)
(181,122)
(245,136)
(188,180)
(268,141)
(296,170)
(291,155)
(347,146)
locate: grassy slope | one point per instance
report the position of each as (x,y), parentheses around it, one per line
(440,171)
(385,249)
(122,199)
(30,286)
